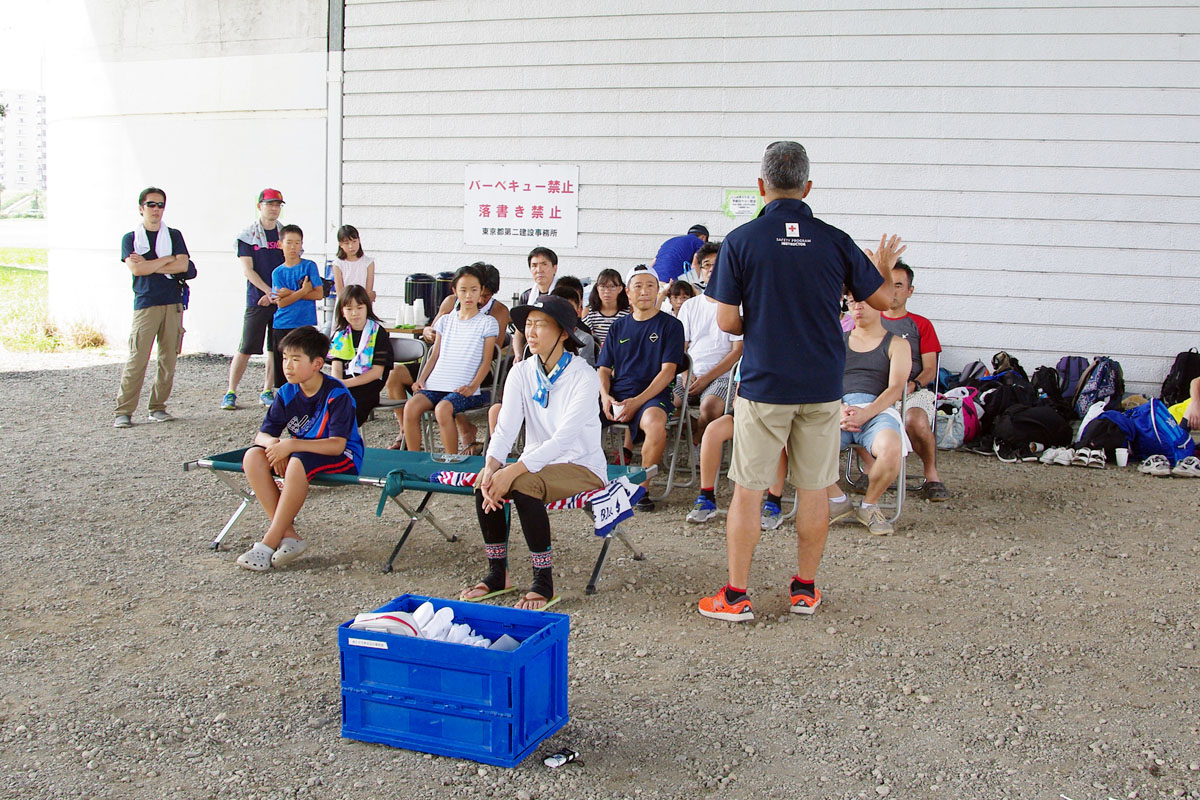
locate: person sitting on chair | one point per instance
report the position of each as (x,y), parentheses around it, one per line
(636,366)
(553,394)
(877,366)
(923,339)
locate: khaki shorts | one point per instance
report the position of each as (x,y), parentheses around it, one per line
(810,430)
(557,482)
(925,400)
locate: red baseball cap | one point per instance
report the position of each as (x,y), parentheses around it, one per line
(270,196)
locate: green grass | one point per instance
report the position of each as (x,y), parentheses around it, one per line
(25,310)
(34,257)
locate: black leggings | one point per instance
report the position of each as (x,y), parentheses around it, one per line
(535,522)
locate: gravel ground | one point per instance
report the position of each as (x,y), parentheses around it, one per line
(1035,637)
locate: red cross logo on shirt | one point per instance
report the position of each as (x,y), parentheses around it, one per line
(792,228)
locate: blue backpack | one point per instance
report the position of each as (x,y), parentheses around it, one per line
(1155,432)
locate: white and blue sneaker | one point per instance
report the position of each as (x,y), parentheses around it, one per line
(772,516)
(703,510)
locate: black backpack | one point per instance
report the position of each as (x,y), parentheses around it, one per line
(1103,434)
(1021,425)
(1046,383)
(999,396)
(1178,383)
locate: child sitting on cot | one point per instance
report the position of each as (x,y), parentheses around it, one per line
(361,350)
(318,413)
(460,359)
(553,394)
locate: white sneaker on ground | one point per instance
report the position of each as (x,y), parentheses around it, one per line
(1187,468)
(122,421)
(161,416)
(1063,457)
(1156,465)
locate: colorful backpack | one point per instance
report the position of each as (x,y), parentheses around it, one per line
(962,403)
(1103,382)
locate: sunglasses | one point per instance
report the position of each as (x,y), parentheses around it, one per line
(153,204)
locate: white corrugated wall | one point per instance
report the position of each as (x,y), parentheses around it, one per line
(1041,158)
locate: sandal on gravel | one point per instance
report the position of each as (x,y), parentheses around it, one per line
(398,444)
(1098,459)
(1081,458)
(936,492)
(533,597)
(288,551)
(1187,468)
(257,558)
(1156,465)
(489,595)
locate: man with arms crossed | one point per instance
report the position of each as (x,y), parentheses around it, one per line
(787,270)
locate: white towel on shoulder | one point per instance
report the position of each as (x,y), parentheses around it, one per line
(162,242)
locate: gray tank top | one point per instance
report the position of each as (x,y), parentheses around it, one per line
(867,372)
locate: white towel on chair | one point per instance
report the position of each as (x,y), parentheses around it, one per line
(162,242)
(894,414)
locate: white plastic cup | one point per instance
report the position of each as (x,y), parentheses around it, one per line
(617,408)
(1122,456)
(419,317)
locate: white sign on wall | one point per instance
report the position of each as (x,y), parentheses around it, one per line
(521,205)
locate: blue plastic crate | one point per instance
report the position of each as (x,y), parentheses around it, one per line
(451,699)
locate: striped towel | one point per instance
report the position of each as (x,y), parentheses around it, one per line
(610,505)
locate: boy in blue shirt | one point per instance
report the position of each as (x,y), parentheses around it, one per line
(297,287)
(318,413)
(636,366)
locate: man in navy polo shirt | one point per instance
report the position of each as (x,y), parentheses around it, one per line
(259,252)
(675,254)
(639,359)
(158,259)
(787,271)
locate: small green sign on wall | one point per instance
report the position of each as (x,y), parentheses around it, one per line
(742,203)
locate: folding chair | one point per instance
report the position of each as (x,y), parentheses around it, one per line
(683,421)
(859,481)
(405,349)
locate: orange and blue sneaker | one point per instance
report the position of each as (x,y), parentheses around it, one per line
(803,603)
(717,607)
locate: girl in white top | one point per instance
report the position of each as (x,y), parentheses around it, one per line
(351,267)
(456,366)
(554,394)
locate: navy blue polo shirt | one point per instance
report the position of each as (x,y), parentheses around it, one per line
(786,269)
(264,259)
(635,351)
(675,256)
(157,289)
